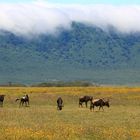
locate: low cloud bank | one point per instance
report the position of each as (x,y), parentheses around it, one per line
(43,17)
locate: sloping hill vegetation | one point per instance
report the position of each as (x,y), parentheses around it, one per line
(82,53)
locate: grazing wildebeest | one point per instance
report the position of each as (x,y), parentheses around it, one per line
(99,102)
(84,99)
(1,100)
(24,99)
(59,103)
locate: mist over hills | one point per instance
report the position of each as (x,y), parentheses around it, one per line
(83,53)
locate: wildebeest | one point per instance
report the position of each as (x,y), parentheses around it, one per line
(84,99)
(99,102)
(1,100)
(59,103)
(24,99)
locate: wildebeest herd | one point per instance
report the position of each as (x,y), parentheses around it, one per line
(83,99)
(93,102)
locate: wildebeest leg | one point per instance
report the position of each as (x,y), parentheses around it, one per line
(58,108)
(20,103)
(28,103)
(86,104)
(91,107)
(102,108)
(25,103)
(80,104)
(1,104)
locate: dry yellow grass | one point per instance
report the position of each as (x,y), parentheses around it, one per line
(41,121)
(67,90)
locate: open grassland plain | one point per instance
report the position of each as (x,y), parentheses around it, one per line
(42,120)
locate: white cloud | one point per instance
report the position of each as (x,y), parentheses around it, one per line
(42,17)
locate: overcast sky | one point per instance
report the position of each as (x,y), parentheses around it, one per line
(97,1)
(118,2)
(46,16)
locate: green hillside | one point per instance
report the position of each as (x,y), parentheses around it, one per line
(82,53)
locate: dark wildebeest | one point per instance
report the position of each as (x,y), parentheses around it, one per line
(84,99)
(1,100)
(99,102)
(24,99)
(59,103)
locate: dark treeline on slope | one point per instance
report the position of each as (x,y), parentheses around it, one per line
(10,84)
(65,84)
(82,53)
(52,84)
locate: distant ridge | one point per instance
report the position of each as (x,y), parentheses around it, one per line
(82,53)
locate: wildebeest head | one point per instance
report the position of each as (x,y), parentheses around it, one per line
(107,103)
(91,98)
(60,107)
